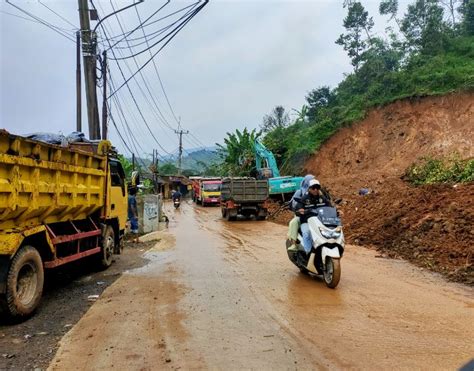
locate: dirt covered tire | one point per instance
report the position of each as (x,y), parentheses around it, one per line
(25,282)
(108,247)
(229,217)
(332,272)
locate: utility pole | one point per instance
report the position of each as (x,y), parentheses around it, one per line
(104,98)
(180,132)
(89,43)
(78,83)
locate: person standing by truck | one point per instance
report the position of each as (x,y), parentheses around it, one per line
(133,213)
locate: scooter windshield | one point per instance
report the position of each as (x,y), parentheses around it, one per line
(327,215)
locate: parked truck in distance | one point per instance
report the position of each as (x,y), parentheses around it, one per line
(207,191)
(58,204)
(244,196)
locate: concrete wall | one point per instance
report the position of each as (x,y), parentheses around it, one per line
(149,211)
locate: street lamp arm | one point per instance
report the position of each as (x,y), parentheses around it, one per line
(117,11)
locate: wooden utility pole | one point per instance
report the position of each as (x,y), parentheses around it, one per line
(180,132)
(78,83)
(90,60)
(104,98)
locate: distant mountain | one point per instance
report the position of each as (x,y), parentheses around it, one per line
(198,157)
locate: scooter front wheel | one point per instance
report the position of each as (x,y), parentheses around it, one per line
(332,272)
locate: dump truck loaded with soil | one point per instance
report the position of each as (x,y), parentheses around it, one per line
(244,196)
(57,205)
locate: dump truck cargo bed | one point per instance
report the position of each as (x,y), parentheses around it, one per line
(42,183)
(244,190)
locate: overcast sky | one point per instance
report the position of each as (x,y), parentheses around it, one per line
(225,70)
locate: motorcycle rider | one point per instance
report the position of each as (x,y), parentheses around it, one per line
(313,198)
(176,196)
(294,224)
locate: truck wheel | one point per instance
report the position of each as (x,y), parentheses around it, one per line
(108,247)
(24,283)
(229,217)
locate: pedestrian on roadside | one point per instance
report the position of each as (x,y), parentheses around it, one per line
(133,213)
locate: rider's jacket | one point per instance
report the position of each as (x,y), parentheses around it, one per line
(308,202)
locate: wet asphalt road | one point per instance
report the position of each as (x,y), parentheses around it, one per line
(223,295)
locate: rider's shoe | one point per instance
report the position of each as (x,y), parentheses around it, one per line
(293,246)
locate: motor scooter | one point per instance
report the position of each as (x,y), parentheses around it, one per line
(327,248)
(176,203)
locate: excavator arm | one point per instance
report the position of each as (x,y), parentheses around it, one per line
(264,156)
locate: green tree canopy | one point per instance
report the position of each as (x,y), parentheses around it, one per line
(238,153)
(357,24)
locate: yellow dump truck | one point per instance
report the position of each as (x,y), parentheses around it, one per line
(57,205)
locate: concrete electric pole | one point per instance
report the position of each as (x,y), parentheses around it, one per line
(90,59)
(180,132)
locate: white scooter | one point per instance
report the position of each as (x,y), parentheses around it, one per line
(328,246)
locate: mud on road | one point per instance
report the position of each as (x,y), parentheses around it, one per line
(218,294)
(33,343)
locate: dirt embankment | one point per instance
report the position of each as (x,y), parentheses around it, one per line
(431,226)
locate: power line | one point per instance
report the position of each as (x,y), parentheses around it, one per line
(140,25)
(131,93)
(146,25)
(149,60)
(59,15)
(158,75)
(160,117)
(174,32)
(47,24)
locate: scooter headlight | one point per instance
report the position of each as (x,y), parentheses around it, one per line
(330,233)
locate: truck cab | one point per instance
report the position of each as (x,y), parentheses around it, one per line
(211,192)
(207,191)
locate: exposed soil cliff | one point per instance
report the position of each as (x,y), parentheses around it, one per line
(433,226)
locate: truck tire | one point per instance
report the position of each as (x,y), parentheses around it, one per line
(108,247)
(25,282)
(229,217)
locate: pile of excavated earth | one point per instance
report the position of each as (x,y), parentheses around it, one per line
(432,225)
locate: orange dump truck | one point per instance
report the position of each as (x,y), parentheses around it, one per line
(57,204)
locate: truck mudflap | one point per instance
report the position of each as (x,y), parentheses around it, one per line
(4,266)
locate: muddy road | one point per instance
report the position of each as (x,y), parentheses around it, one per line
(219,294)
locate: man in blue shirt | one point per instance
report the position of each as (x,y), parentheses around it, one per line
(133,212)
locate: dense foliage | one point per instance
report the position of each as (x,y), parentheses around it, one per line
(435,170)
(237,153)
(427,51)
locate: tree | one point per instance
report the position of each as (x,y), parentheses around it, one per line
(277,118)
(356,22)
(126,164)
(423,27)
(317,100)
(389,7)
(467,11)
(237,153)
(301,115)
(168,169)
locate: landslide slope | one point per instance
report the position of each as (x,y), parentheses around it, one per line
(431,226)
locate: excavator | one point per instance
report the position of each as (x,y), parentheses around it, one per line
(280,186)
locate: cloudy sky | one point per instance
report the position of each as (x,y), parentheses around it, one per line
(227,68)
